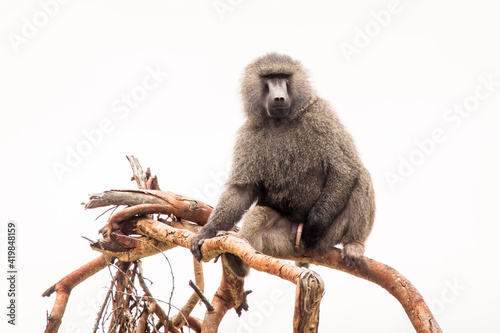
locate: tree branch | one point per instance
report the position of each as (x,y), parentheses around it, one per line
(229,295)
(64,287)
(388,278)
(168,203)
(369,269)
(200,295)
(157,236)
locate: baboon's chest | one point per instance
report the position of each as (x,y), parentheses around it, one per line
(291,176)
(285,156)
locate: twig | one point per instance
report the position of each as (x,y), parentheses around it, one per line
(171,273)
(154,307)
(103,305)
(202,297)
(120,305)
(181,318)
(139,175)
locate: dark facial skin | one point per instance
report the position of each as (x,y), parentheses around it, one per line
(276,98)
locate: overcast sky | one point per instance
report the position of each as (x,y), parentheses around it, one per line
(417,84)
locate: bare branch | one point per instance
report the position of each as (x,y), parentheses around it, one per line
(139,175)
(369,269)
(229,295)
(388,278)
(64,287)
(178,205)
(201,296)
(104,304)
(307,300)
(181,318)
(131,234)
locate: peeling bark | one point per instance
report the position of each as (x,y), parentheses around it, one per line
(308,298)
(388,278)
(167,203)
(64,287)
(150,237)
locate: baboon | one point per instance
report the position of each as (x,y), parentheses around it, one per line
(297,163)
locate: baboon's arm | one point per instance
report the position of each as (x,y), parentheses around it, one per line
(235,200)
(338,187)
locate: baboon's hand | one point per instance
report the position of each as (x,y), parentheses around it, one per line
(196,244)
(198,240)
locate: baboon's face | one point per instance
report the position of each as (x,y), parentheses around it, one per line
(276,98)
(275,87)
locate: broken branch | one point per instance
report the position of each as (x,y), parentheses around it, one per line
(180,319)
(388,278)
(201,296)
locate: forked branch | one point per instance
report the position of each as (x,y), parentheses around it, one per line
(184,215)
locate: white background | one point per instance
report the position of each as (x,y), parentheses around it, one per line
(438,225)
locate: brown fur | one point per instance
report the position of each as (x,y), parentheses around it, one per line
(299,168)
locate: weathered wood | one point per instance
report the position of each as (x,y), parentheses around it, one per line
(230,294)
(178,205)
(388,278)
(64,287)
(117,197)
(308,296)
(218,245)
(201,296)
(158,236)
(139,175)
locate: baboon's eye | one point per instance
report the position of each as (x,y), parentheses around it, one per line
(276,76)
